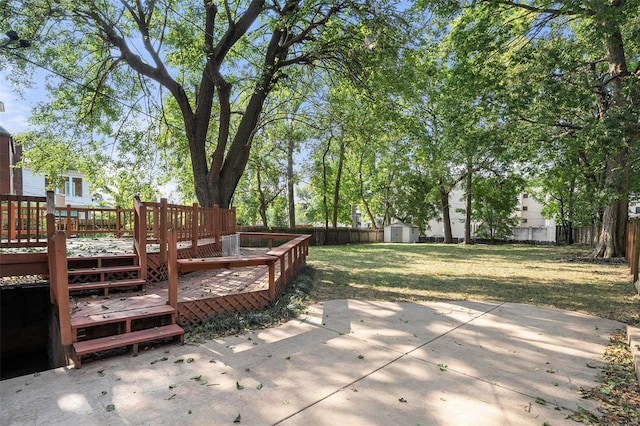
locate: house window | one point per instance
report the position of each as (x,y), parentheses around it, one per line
(638,209)
(525,195)
(525,208)
(76,187)
(524,220)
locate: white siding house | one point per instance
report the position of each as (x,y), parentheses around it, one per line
(532,226)
(74,189)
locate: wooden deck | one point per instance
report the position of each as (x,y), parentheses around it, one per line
(199,293)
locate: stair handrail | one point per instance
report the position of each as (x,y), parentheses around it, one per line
(140,235)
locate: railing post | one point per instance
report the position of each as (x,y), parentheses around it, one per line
(272,281)
(233,223)
(140,235)
(162,237)
(51,214)
(11,221)
(118,224)
(172,267)
(194,231)
(68,219)
(216,227)
(283,269)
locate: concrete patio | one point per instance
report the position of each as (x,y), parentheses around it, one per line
(345,362)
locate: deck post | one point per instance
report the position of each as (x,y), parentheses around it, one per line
(11,221)
(59,284)
(68,219)
(140,235)
(232,219)
(162,237)
(272,281)
(216,227)
(283,269)
(51,214)
(118,225)
(172,266)
(194,230)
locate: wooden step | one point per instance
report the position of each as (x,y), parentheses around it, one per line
(103,270)
(132,314)
(102,257)
(126,339)
(106,284)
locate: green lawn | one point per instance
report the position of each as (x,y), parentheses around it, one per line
(540,275)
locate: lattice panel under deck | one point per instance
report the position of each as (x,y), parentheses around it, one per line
(113,276)
(196,311)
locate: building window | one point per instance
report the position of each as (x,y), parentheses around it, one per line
(525,195)
(76,185)
(638,209)
(525,208)
(71,186)
(524,220)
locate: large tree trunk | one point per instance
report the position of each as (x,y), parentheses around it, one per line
(611,242)
(362,195)
(336,187)
(263,200)
(446,215)
(290,186)
(467,221)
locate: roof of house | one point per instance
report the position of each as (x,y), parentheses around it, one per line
(3,131)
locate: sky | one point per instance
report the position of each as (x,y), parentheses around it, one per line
(17,110)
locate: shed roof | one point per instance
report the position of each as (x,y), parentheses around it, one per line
(406,225)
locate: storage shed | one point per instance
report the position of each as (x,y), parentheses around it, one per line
(399,232)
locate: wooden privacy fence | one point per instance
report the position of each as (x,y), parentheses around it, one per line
(319,236)
(587,235)
(633,249)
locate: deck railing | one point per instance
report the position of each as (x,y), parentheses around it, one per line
(23,222)
(291,256)
(190,223)
(94,221)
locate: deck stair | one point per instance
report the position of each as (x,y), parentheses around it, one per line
(127,328)
(104,272)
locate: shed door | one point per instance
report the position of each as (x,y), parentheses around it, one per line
(396,234)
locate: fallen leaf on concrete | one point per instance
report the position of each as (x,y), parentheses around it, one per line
(239,386)
(541,401)
(111,407)
(237,419)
